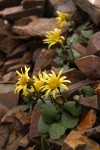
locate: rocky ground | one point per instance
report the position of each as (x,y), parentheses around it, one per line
(23,25)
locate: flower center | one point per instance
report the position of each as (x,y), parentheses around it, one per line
(54,83)
(56,37)
(24,80)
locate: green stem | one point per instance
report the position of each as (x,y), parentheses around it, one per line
(30,109)
(38,94)
(64,53)
(72,53)
(62,95)
(52,100)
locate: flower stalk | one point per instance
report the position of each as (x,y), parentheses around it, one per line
(39,96)
(62,95)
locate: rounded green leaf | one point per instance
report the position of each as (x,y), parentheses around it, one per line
(73,108)
(42,126)
(56,130)
(49,112)
(69,121)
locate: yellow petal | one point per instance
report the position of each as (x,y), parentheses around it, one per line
(64,87)
(53,73)
(20,75)
(59,74)
(47,93)
(54,93)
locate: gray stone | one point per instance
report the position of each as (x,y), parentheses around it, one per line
(94,45)
(94,133)
(92,7)
(39,27)
(63,6)
(19,11)
(92,102)
(90,66)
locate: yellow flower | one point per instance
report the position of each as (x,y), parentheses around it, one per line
(62,18)
(53,83)
(22,81)
(53,37)
(38,82)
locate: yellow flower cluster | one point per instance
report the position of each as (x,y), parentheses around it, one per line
(62,18)
(22,81)
(54,36)
(45,83)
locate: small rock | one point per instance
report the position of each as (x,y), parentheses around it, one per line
(36,54)
(56,144)
(92,102)
(23,117)
(92,7)
(7,96)
(94,45)
(27,57)
(7,44)
(10,115)
(39,27)
(1,63)
(18,12)
(5,3)
(4,135)
(2,57)
(62,6)
(18,67)
(44,60)
(24,141)
(77,141)
(24,21)
(90,66)
(74,75)
(13,140)
(18,51)
(80,48)
(10,63)
(97,90)
(33,132)
(33,3)
(94,133)
(88,121)
(9,76)
(74,87)
(3,110)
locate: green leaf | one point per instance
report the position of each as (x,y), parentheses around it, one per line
(73,108)
(87,33)
(58,61)
(42,126)
(69,56)
(69,121)
(84,39)
(76,97)
(76,54)
(39,102)
(66,67)
(86,91)
(73,39)
(84,26)
(44,142)
(58,50)
(49,112)
(56,130)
